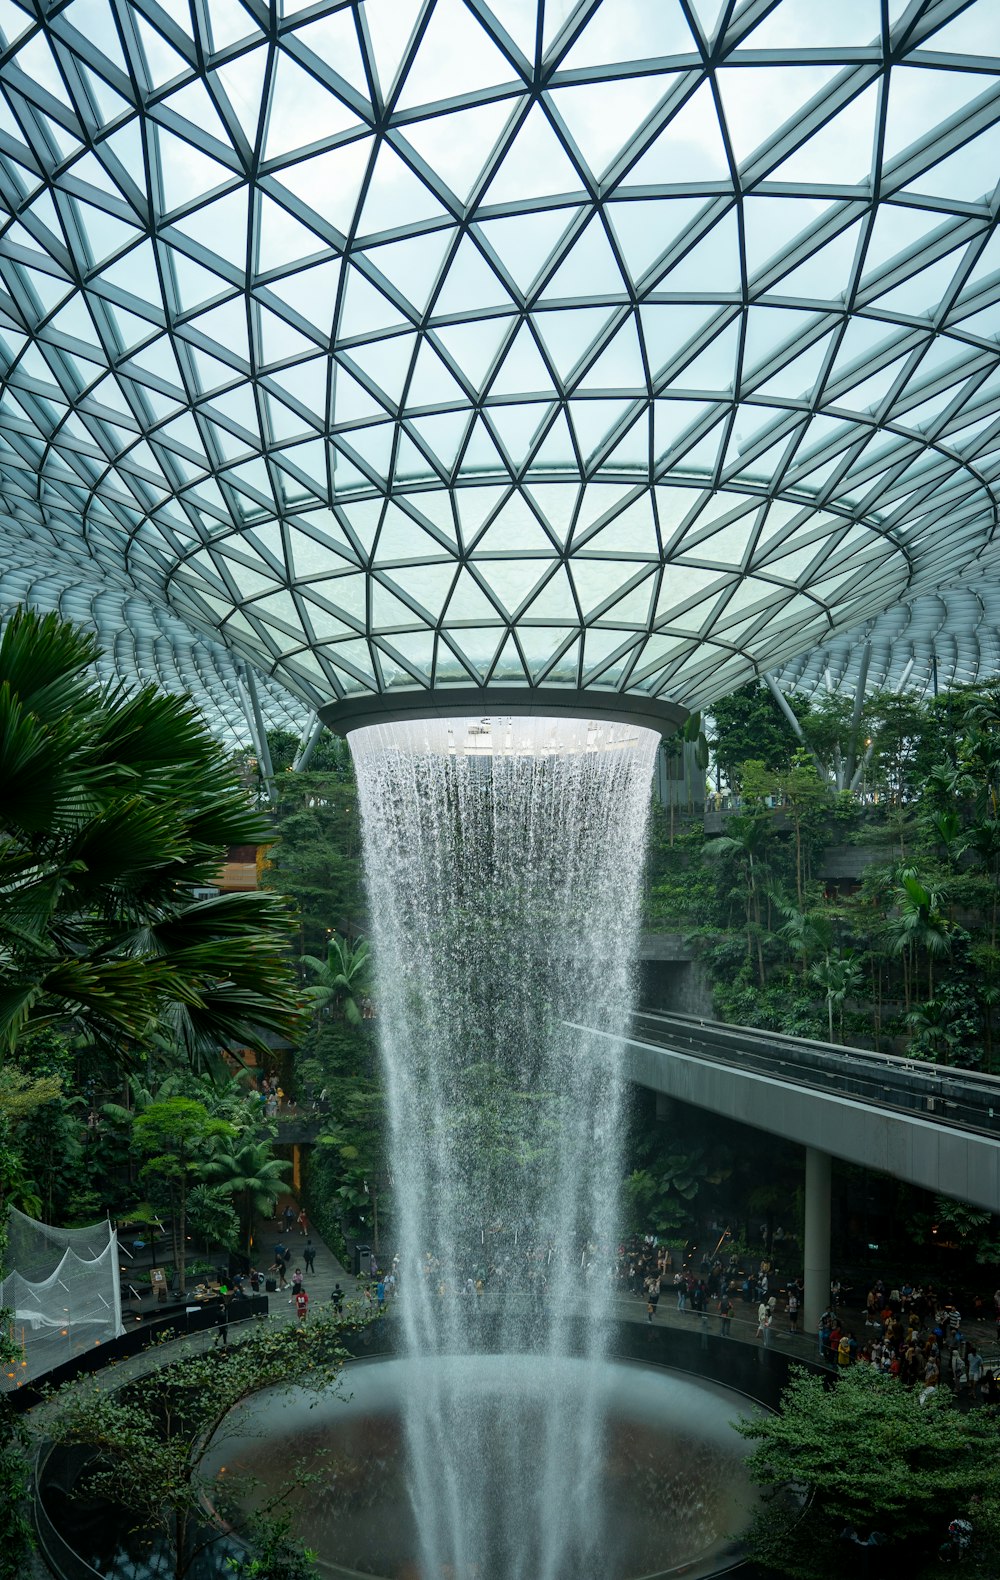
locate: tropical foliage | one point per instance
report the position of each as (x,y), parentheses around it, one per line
(115,809)
(154,1435)
(868,1456)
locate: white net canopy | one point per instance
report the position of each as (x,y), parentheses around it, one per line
(61,1296)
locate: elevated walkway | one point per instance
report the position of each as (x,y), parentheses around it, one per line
(924,1123)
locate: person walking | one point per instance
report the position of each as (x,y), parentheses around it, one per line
(288,1217)
(726,1313)
(301,1302)
(309,1256)
(338,1299)
(303,1223)
(296,1282)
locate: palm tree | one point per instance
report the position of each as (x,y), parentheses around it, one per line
(342,978)
(935,1034)
(115,809)
(247,1168)
(919,924)
(838,975)
(747,845)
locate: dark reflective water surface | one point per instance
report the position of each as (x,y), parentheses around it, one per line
(671,1477)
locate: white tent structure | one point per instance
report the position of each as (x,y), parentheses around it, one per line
(62,1295)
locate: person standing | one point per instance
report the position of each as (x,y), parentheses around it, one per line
(303,1222)
(338,1299)
(652,1296)
(380,1293)
(289,1218)
(309,1255)
(301,1302)
(680,1284)
(296,1282)
(726,1313)
(793,1311)
(222,1324)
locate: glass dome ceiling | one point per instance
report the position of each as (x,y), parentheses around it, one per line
(634,345)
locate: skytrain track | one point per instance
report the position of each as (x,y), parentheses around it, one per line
(964,1099)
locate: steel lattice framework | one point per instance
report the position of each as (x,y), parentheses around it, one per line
(634,345)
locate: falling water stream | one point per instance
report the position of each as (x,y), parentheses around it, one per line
(503,860)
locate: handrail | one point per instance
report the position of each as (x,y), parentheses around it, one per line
(964,1100)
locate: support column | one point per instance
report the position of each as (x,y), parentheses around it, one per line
(816,1260)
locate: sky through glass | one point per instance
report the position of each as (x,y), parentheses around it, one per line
(629,344)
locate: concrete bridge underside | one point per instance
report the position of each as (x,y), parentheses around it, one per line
(939,1157)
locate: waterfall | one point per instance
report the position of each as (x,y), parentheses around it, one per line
(503,862)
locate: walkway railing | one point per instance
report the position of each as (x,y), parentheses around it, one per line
(963,1098)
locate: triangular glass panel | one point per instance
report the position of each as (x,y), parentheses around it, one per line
(302,110)
(389,26)
(330,182)
(644,30)
(568,334)
(426,585)
(396,196)
(535,165)
(386,363)
(922,292)
(187,174)
(897,228)
(840,152)
(912,89)
(715,366)
(524,242)
(442,436)
(688,150)
(333,40)
(603,117)
(431,383)
(413,266)
(799,24)
(352,402)
(514,530)
(826,276)
(470,284)
(554,601)
(242,81)
(513,581)
(468,603)
(589,268)
(220,225)
(522,370)
(798,377)
(647,227)
(672,418)
(595,420)
(457,146)
(967,175)
(508,666)
(311,293)
(452,34)
(282,239)
(760,99)
(711,267)
(667,328)
(364,310)
(619,365)
(771,223)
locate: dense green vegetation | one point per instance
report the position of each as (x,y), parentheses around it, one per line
(870,1456)
(115,809)
(900,954)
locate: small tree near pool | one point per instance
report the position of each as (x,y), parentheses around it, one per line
(867,1455)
